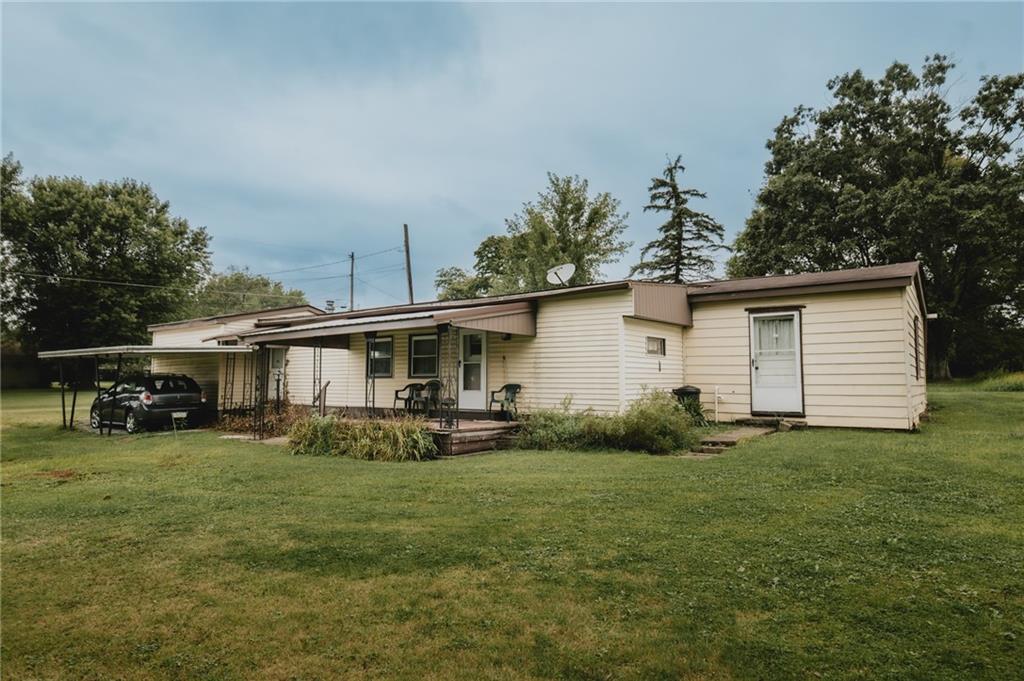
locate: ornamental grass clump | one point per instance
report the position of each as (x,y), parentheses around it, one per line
(398,439)
(1004,383)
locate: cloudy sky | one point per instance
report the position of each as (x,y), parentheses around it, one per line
(299,132)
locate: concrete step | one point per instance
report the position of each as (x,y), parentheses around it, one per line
(735,436)
(711,449)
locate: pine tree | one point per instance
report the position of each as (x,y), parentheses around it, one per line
(683,251)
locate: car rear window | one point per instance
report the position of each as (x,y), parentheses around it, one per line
(163,385)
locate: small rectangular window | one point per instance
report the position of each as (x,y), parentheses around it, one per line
(655,346)
(379,357)
(917,348)
(423,356)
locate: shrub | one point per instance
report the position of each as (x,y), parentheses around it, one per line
(1004,383)
(398,439)
(275,424)
(551,429)
(315,436)
(654,423)
(695,409)
(658,424)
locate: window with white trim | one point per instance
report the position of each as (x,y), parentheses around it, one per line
(655,346)
(379,360)
(423,356)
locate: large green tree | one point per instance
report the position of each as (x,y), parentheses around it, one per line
(891,171)
(565,224)
(238,290)
(93,264)
(688,238)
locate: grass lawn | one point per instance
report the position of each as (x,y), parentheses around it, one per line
(815,554)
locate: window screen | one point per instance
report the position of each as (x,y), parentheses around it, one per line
(379,357)
(423,356)
(655,346)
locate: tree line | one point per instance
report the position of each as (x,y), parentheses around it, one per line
(889,171)
(92,264)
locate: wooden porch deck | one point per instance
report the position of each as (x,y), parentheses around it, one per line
(471,435)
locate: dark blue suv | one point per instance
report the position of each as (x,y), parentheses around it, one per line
(145,401)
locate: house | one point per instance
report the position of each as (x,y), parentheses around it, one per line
(216,370)
(841,348)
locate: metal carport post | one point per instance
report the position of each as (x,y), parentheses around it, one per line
(120,351)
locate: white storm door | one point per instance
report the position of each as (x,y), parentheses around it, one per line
(472,370)
(776,382)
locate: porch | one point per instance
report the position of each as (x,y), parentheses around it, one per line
(471,436)
(433,362)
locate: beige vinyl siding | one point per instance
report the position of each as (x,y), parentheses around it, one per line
(299,374)
(205,369)
(653,372)
(576,352)
(346,370)
(192,335)
(853,357)
(917,398)
(512,361)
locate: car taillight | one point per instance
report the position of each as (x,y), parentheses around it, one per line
(202,396)
(147,398)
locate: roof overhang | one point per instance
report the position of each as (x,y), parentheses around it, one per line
(775,291)
(144,350)
(312,310)
(518,318)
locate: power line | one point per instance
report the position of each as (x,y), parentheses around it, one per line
(300,269)
(331,276)
(386,267)
(386,250)
(387,293)
(109,282)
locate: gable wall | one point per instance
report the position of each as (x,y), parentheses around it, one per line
(854,357)
(651,372)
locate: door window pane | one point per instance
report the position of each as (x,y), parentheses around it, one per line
(471,376)
(472,346)
(775,351)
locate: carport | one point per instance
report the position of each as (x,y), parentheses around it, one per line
(109,353)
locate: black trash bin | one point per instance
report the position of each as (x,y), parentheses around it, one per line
(687,392)
(689,397)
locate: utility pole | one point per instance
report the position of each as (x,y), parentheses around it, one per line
(408,267)
(351,281)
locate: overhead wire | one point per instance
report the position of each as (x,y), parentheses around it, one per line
(111,282)
(378,288)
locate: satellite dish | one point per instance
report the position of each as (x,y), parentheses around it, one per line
(562,274)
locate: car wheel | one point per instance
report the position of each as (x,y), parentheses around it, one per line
(94,419)
(130,424)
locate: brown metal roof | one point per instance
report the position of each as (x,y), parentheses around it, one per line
(515,318)
(144,350)
(471,302)
(234,315)
(883,276)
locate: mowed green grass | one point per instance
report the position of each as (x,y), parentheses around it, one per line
(815,554)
